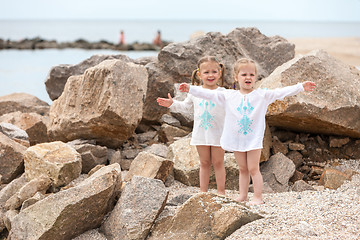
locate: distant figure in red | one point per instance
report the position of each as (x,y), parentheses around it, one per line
(157,40)
(122,38)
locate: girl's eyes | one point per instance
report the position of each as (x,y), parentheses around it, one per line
(251,75)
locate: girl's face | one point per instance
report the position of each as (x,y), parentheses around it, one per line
(246,78)
(209,73)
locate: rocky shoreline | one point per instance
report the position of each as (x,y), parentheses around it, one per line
(104,161)
(39,43)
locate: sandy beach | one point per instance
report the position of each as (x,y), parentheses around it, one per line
(344,49)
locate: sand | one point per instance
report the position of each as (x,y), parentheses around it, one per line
(344,49)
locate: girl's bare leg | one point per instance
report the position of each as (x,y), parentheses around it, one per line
(244,176)
(217,160)
(253,162)
(205,166)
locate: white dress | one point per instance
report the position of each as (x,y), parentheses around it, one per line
(208,118)
(244,124)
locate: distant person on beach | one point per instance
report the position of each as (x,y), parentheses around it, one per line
(157,40)
(122,38)
(244,124)
(208,121)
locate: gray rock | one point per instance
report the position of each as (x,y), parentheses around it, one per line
(277,171)
(140,203)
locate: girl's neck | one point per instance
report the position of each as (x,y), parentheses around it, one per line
(210,87)
(245,91)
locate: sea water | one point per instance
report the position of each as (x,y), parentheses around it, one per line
(26,70)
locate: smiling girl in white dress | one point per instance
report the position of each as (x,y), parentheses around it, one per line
(208,121)
(244,124)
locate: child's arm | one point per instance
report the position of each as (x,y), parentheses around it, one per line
(281,93)
(200,92)
(179,106)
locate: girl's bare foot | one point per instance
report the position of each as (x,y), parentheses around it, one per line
(256,202)
(241,200)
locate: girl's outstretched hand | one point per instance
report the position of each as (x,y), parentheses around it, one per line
(165,102)
(309,86)
(184,87)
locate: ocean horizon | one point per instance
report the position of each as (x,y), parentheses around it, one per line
(171,30)
(26,70)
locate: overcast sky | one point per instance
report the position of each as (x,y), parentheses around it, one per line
(297,10)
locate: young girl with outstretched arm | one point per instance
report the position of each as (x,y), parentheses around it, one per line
(208,121)
(244,124)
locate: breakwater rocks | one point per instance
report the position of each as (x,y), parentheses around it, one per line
(39,43)
(104,161)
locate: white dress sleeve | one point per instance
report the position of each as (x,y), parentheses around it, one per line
(207,94)
(281,93)
(183,106)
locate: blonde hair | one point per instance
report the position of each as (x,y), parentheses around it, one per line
(195,79)
(237,66)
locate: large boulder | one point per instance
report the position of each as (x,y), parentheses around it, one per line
(141,201)
(56,160)
(11,158)
(204,216)
(69,213)
(23,102)
(58,75)
(177,61)
(333,108)
(105,104)
(268,52)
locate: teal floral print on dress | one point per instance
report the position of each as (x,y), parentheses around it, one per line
(206,117)
(245,122)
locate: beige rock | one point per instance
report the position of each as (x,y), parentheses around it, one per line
(332,108)
(69,213)
(296,146)
(30,201)
(105,104)
(11,158)
(28,191)
(58,75)
(22,102)
(205,216)
(338,142)
(91,154)
(333,178)
(33,123)
(278,146)
(151,166)
(56,160)
(168,134)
